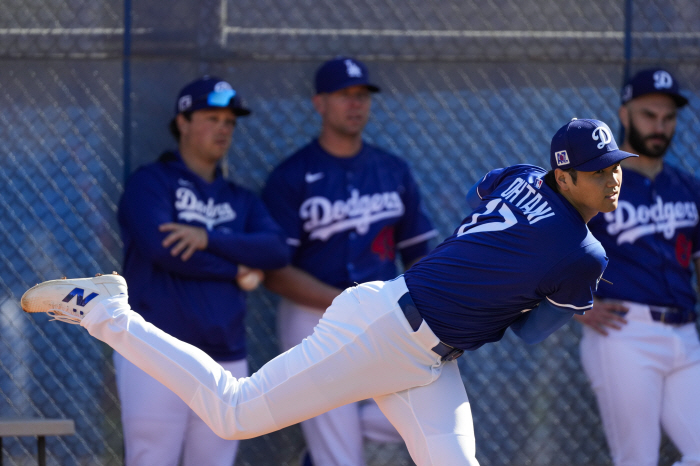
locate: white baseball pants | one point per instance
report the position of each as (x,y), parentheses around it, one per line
(363,347)
(336,437)
(159,428)
(646,376)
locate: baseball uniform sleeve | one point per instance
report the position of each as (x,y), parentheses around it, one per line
(262,245)
(414,229)
(473,198)
(696,232)
(146,204)
(492,181)
(488,183)
(536,325)
(282,198)
(570,284)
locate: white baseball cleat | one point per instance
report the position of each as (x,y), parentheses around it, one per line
(69,300)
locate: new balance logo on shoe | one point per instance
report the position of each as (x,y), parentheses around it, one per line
(78,294)
(55,297)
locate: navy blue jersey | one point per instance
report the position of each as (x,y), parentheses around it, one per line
(345,218)
(196,301)
(651,239)
(524,243)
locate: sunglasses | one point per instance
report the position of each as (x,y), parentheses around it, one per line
(220,98)
(215,99)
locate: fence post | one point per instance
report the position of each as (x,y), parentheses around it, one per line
(126,76)
(628,54)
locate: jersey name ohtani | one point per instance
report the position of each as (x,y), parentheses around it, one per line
(191,208)
(325,218)
(632,223)
(527,198)
(534,208)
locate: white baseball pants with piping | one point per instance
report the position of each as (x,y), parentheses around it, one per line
(159,428)
(363,347)
(646,376)
(336,437)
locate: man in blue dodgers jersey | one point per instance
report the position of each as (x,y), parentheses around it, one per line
(189,235)
(347,207)
(523,259)
(640,346)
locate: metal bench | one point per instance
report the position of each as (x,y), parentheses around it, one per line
(40,428)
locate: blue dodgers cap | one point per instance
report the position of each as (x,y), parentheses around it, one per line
(586,145)
(652,81)
(209,92)
(342,72)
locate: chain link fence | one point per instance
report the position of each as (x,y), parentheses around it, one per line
(467,86)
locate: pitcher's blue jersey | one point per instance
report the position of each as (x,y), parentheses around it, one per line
(346,218)
(522,244)
(651,239)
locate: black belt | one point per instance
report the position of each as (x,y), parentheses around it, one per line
(447,352)
(672,315)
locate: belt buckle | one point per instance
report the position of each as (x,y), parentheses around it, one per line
(452,355)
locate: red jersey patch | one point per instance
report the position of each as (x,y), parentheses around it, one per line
(684,248)
(384,245)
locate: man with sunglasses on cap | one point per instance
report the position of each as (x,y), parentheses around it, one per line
(523,259)
(347,208)
(640,346)
(190,236)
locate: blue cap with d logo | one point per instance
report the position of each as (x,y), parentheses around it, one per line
(653,81)
(586,145)
(342,72)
